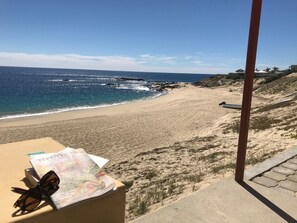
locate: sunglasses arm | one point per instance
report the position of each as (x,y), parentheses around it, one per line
(18,190)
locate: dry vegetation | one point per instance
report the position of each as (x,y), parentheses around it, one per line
(172,172)
(169,172)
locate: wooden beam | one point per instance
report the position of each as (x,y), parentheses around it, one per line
(248,89)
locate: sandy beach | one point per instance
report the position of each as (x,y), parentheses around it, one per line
(163,148)
(120,132)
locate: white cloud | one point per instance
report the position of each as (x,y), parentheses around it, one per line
(188,57)
(144,62)
(147,57)
(157,59)
(69,61)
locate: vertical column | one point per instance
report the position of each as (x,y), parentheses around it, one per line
(248,89)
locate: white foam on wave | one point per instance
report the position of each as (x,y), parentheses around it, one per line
(59,111)
(106,78)
(56,80)
(133,87)
(136,82)
(25,115)
(65,80)
(142,88)
(86,78)
(159,94)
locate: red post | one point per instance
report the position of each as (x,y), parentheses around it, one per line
(248,89)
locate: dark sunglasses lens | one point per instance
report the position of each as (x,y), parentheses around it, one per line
(31,198)
(31,203)
(28,203)
(50,180)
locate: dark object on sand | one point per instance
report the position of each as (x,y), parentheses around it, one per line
(222,103)
(233,106)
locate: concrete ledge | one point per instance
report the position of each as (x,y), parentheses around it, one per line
(228,202)
(270,163)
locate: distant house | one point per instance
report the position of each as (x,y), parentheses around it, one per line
(261,73)
(258,74)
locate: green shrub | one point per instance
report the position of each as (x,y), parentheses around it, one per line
(128,184)
(142,208)
(293,68)
(262,123)
(150,174)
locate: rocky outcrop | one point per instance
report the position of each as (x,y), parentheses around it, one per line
(165,86)
(129,79)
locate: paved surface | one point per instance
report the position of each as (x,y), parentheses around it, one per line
(228,201)
(282,177)
(268,194)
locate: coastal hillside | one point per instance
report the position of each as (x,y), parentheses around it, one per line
(284,83)
(157,177)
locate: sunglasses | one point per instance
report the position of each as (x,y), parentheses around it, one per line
(30,199)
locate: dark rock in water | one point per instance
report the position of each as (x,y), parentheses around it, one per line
(197,83)
(110,84)
(165,85)
(129,79)
(65,79)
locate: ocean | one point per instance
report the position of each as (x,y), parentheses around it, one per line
(36,91)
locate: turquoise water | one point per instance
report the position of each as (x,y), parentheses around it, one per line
(35,91)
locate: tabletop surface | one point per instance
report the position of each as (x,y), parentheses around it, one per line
(13,161)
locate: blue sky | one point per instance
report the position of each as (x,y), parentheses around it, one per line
(184,36)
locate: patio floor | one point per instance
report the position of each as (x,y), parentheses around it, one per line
(250,201)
